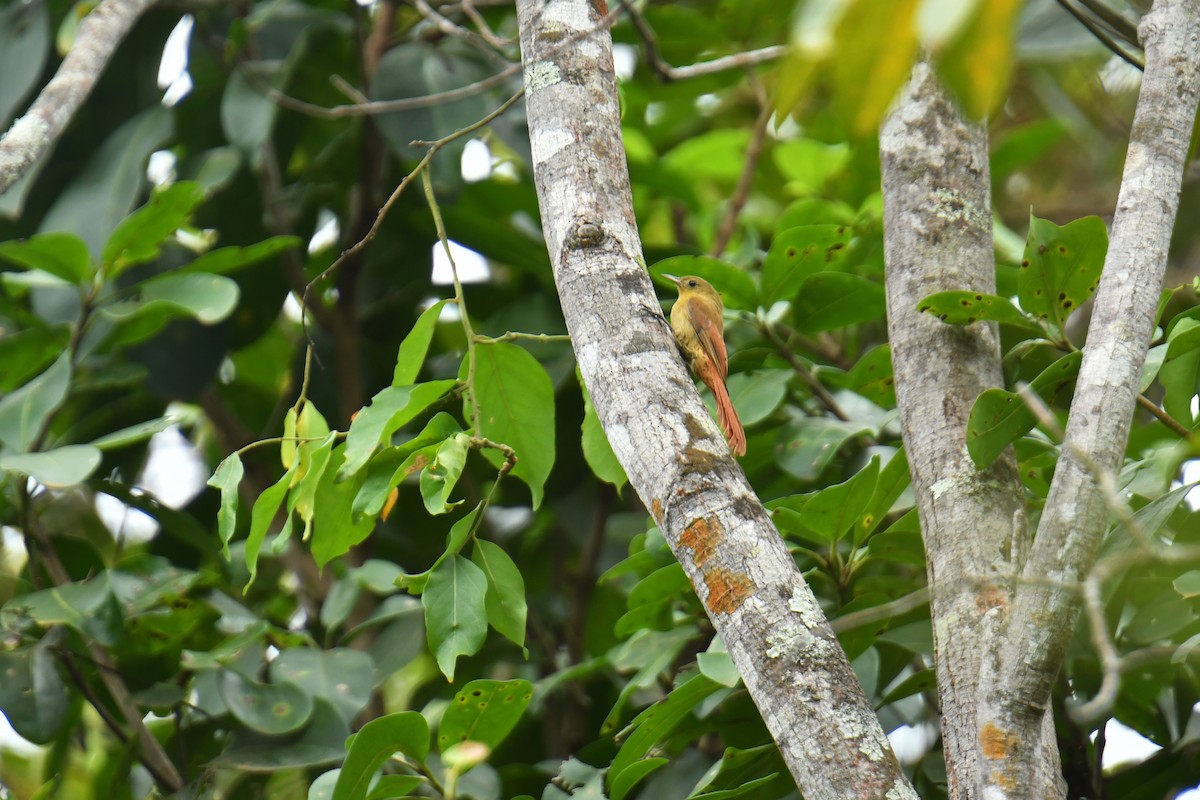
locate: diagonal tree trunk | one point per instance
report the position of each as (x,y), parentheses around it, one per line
(674,455)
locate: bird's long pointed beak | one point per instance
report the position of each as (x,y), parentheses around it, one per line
(673,278)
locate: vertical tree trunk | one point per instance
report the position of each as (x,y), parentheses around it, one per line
(938,237)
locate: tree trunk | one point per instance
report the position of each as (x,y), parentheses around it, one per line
(670,447)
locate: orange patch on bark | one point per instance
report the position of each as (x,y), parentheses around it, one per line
(990,597)
(996,743)
(702,536)
(656,510)
(727,590)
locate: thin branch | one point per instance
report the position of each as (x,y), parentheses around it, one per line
(820,392)
(1103,35)
(32,135)
(1175,425)
(745,181)
(498,42)
(449,28)
(1119,23)
(669,73)
(434,147)
(894,608)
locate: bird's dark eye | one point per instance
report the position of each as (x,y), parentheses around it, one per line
(692,284)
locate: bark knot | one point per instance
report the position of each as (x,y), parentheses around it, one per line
(585,234)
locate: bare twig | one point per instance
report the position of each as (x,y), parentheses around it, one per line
(670,73)
(893,608)
(449,28)
(434,147)
(1162,416)
(498,42)
(746,180)
(30,136)
(820,392)
(1103,35)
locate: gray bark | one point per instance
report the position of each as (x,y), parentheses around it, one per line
(938,237)
(1032,634)
(31,135)
(661,432)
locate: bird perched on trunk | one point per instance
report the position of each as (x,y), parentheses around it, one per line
(699,331)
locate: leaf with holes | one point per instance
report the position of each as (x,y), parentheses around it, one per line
(1061,267)
(484,711)
(964,308)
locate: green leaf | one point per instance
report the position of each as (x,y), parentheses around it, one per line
(622,784)
(391,465)
(231,259)
(314,460)
(389,410)
(227,478)
(24,413)
(757,394)
(103,192)
(832,511)
(34,698)
(799,253)
(404,732)
(1188,584)
(917,683)
(140,235)
(415,345)
(652,601)
(871,376)
(809,165)
(133,434)
(206,297)
(335,528)
(717,154)
(656,723)
(57,468)
(516,403)
(964,308)
(505,600)
(718,666)
(596,449)
(757,771)
(829,300)
(87,606)
(1160,620)
(1179,373)
(484,711)
(455,611)
(24,46)
(806,446)
(893,480)
(999,417)
(25,353)
(261,517)
(271,709)
(1061,267)
(63,255)
(342,676)
(439,478)
(395,786)
(735,285)
(876,47)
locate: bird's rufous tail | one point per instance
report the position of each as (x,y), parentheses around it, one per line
(727,417)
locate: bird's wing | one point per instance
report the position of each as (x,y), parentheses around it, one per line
(708,331)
